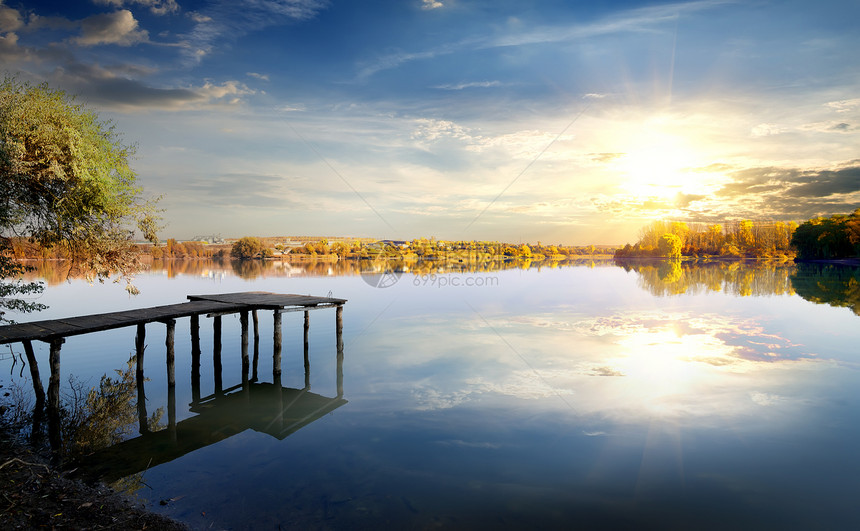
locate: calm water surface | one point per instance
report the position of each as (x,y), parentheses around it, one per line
(604,397)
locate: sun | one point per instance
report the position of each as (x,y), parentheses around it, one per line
(658,164)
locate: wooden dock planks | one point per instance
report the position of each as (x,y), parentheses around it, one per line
(197,305)
(266,300)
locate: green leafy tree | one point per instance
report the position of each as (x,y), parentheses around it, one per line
(12,292)
(828,238)
(66,181)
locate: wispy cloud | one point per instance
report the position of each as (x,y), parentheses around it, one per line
(227,20)
(396,59)
(635,20)
(631,21)
(470,84)
(158,7)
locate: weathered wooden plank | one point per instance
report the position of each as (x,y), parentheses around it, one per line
(84,324)
(262,299)
(198,304)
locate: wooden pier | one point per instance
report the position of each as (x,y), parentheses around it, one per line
(55,331)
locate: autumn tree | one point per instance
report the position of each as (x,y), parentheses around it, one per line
(669,246)
(247,248)
(66,181)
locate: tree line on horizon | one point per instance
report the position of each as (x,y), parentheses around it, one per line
(420,248)
(833,237)
(822,238)
(736,239)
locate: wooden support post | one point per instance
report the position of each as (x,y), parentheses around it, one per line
(216,352)
(195,358)
(171,377)
(54,382)
(195,340)
(140,346)
(34,374)
(276,356)
(246,364)
(307,350)
(171,412)
(339,374)
(307,329)
(278,403)
(171,351)
(276,373)
(338,318)
(142,417)
(195,335)
(54,432)
(256,345)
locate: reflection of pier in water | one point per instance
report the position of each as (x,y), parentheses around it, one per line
(290,409)
(262,407)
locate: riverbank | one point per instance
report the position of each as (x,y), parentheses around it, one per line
(34,495)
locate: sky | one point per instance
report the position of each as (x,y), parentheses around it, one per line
(554,121)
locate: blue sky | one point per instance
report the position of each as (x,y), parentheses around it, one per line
(557,121)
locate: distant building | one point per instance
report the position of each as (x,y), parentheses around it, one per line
(395,243)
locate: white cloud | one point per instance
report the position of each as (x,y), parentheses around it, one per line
(199,17)
(767,130)
(158,7)
(431,4)
(844,105)
(766,399)
(229,91)
(261,77)
(10,19)
(118,28)
(430,129)
(9,50)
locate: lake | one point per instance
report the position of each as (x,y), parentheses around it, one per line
(654,395)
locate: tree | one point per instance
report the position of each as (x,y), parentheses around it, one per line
(65,181)
(828,238)
(669,246)
(524,251)
(11,292)
(247,248)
